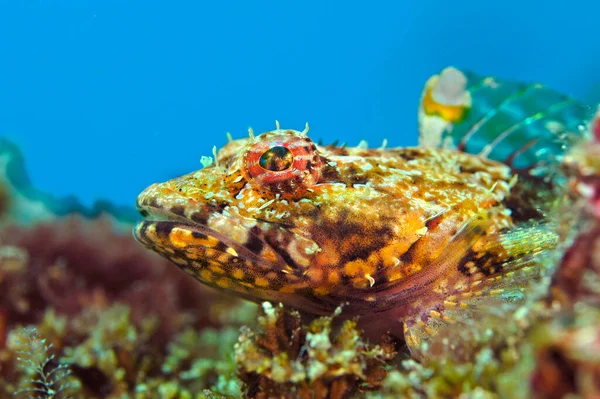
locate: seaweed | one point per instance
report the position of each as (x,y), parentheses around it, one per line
(284,358)
(46,378)
(112,316)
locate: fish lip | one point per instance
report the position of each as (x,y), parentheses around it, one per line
(139,233)
(193,217)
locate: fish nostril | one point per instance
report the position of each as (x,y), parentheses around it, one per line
(144,213)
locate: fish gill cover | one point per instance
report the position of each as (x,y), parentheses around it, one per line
(87,312)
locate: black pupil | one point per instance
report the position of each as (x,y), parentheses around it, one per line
(276,159)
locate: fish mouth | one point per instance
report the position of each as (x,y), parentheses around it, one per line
(181,240)
(177,227)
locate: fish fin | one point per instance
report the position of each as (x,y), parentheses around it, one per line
(462,322)
(480,297)
(406,289)
(530,239)
(525,125)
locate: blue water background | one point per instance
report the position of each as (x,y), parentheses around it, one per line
(106,97)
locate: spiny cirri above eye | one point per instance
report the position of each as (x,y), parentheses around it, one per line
(282,161)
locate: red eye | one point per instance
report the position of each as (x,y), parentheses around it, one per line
(282,162)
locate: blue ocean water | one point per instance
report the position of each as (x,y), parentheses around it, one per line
(105,97)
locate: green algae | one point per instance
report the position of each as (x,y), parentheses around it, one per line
(119,349)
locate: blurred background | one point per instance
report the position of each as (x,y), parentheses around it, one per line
(105,97)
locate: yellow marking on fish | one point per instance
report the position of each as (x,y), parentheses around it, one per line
(216,268)
(180,237)
(322,290)
(450,113)
(223,282)
(205,274)
(238,274)
(352,268)
(333,278)
(261,282)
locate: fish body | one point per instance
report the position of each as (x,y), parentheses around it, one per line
(419,234)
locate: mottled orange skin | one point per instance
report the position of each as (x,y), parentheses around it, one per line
(382,229)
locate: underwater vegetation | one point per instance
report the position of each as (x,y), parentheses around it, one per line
(286,358)
(120,318)
(87,312)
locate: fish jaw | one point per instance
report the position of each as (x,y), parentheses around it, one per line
(223,249)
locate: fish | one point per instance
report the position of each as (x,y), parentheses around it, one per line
(413,238)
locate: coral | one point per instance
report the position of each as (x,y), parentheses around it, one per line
(197,364)
(286,359)
(578,277)
(491,357)
(557,356)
